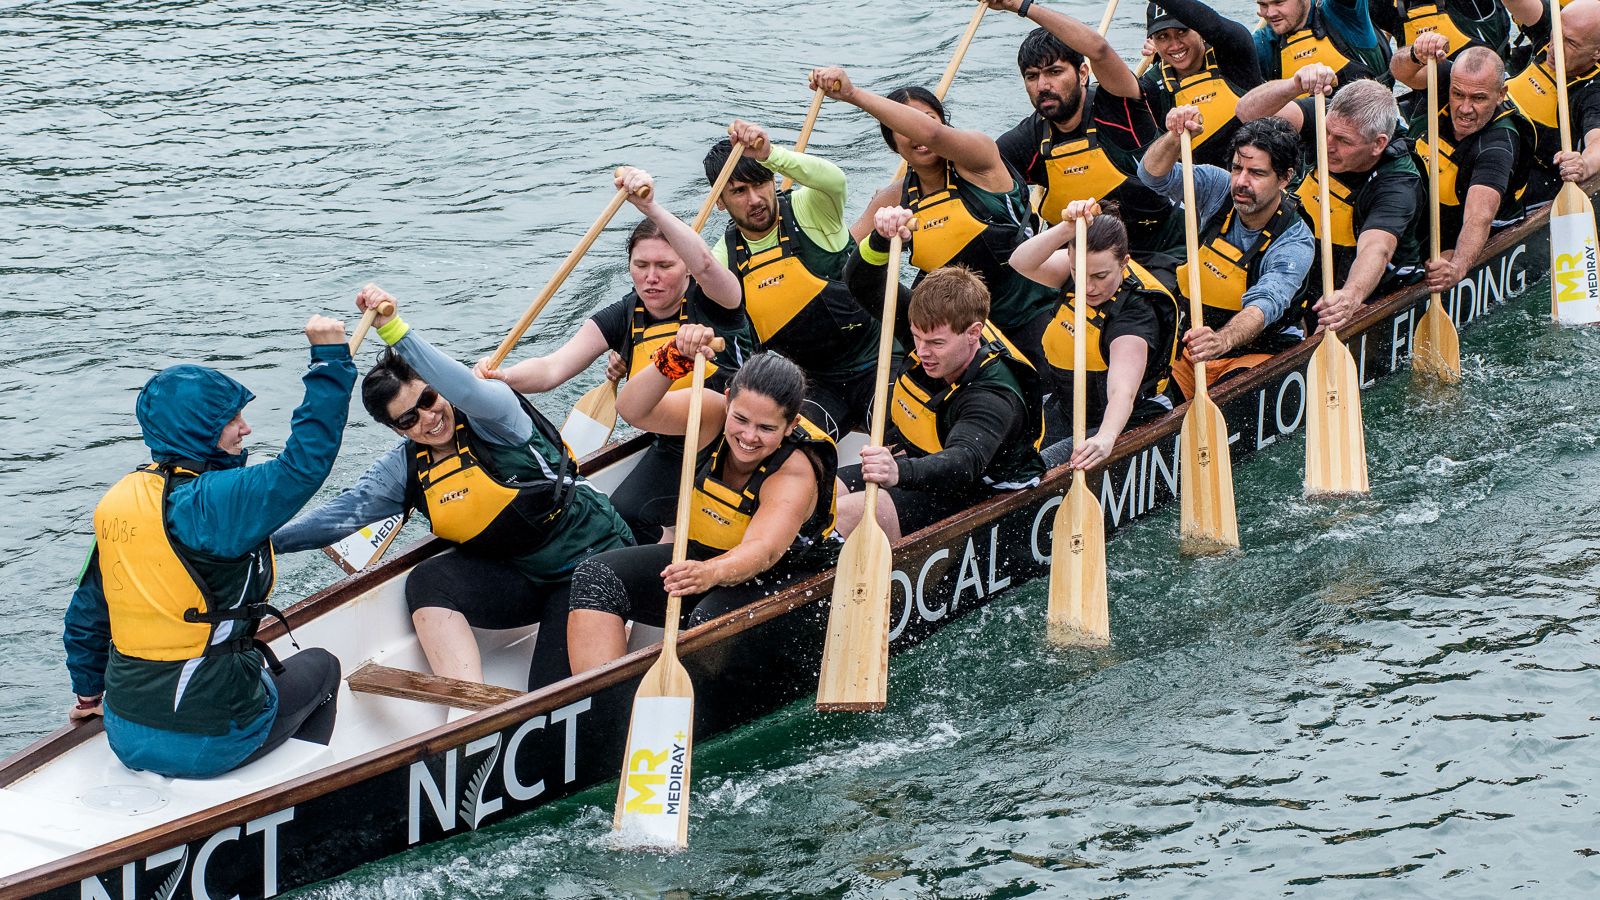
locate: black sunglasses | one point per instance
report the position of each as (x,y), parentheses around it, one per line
(408,419)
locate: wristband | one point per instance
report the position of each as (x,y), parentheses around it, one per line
(393,330)
(671,362)
(1414,58)
(1022,10)
(88,702)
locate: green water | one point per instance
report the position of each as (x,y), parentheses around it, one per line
(1392,696)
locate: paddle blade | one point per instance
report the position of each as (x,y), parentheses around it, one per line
(1436,349)
(1208,521)
(653,795)
(592,420)
(855,659)
(1078,613)
(356,551)
(1336,448)
(1574,270)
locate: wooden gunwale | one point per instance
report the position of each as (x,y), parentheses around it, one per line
(203,823)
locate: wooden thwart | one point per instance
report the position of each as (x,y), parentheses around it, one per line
(424,688)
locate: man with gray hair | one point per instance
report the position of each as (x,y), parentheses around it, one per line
(1374,185)
(1485,150)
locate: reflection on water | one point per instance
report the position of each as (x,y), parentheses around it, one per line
(1399,687)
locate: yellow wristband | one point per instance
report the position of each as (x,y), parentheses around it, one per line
(871,256)
(393,330)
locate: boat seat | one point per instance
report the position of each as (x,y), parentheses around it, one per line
(408,685)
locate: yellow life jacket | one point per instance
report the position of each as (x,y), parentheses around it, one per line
(645,338)
(1139,285)
(1226,271)
(945,226)
(483,511)
(720,514)
(1533,92)
(917,404)
(1426,18)
(1341,212)
(1307,46)
(795,300)
(159,607)
(1451,195)
(1206,89)
(1076,169)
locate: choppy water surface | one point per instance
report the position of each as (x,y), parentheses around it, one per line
(1393,696)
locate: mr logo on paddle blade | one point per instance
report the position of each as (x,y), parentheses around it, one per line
(1574,269)
(653,798)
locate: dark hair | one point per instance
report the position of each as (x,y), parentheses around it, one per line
(647,229)
(1041,48)
(747,170)
(1274,136)
(382,382)
(953,296)
(774,376)
(921,95)
(1106,232)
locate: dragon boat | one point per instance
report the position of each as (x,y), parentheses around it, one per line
(417,759)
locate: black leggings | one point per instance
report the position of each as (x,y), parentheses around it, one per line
(627,582)
(307,700)
(648,498)
(839,407)
(494,594)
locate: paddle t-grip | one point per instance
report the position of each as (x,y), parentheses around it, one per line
(386,308)
(642,193)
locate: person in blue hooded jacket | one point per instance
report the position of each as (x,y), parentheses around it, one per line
(160,633)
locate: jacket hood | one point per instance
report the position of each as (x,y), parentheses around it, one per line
(182,411)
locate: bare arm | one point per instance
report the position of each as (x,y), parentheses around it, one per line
(1524,12)
(1482,203)
(544,373)
(1275,98)
(717,280)
(648,403)
(1109,70)
(888,195)
(1124,371)
(1047,257)
(973,152)
(1409,66)
(1374,249)
(788,497)
(1161,155)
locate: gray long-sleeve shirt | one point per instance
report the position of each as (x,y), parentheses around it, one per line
(1287,259)
(492,406)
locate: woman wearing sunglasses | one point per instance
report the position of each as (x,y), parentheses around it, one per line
(492,476)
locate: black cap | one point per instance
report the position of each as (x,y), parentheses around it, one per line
(1156,19)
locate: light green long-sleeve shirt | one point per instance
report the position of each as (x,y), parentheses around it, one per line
(818,202)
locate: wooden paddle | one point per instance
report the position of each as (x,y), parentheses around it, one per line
(950,70)
(653,794)
(1077,609)
(1436,347)
(855,657)
(1574,270)
(594,417)
(1105,25)
(805,131)
(592,420)
(365,325)
(1336,451)
(1207,521)
(565,269)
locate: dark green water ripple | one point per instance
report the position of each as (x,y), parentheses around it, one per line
(1390,696)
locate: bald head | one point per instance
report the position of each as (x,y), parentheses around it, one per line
(1580,21)
(1481,63)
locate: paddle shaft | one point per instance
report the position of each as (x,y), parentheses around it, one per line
(1080,326)
(805,130)
(1191,241)
(1433,162)
(880,389)
(716,188)
(1559,51)
(680,528)
(955,65)
(567,265)
(385,308)
(1324,214)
